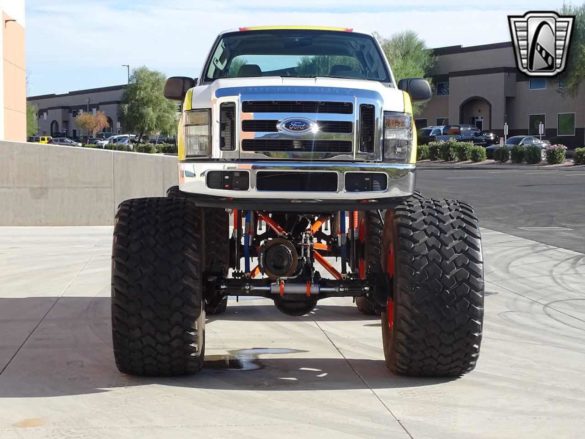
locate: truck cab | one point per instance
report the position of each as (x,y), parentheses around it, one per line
(298,116)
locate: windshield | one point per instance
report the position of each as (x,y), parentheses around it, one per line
(514,140)
(300,54)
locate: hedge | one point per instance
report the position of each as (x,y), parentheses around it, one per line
(478,154)
(533,154)
(517,154)
(502,154)
(422,152)
(555,154)
(463,150)
(579,156)
(434,149)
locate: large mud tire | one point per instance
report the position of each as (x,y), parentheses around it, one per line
(216,252)
(433,324)
(158,317)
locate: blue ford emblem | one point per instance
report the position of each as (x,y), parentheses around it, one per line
(298,126)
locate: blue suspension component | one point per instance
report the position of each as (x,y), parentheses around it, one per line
(342,241)
(247,237)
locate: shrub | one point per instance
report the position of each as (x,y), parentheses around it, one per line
(434,149)
(422,152)
(463,150)
(167,148)
(555,154)
(447,151)
(478,154)
(580,156)
(147,148)
(517,154)
(533,154)
(502,154)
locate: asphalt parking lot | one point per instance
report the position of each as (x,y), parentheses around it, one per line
(320,375)
(544,205)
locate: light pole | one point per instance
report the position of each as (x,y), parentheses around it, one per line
(128,71)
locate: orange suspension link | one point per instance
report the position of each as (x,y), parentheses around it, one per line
(327,266)
(271,223)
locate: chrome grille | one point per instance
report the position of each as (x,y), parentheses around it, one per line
(270,126)
(297,107)
(296,145)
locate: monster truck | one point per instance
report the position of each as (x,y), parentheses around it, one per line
(297,153)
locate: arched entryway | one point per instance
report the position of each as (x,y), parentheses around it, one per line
(476,111)
(54,128)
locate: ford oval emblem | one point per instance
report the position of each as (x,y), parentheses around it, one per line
(298,125)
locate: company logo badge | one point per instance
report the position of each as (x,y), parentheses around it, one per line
(541,42)
(298,125)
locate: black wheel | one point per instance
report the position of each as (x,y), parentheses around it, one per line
(370,235)
(158,317)
(432,325)
(216,252)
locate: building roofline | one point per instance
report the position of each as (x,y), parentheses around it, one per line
(79,92)
(450,50)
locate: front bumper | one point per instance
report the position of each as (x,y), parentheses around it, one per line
(193,182)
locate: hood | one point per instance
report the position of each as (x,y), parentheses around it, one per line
(293,88)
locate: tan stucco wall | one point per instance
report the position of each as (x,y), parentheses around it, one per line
(14,87)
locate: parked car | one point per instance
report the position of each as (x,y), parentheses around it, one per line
(65,142)
(429,134)
(517,140)
(41,139)
(490,138)
(120,139)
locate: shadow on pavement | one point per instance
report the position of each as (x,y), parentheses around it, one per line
(70,353)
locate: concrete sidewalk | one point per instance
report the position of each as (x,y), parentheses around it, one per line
(320,375)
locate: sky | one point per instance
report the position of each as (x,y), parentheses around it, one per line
(77,44)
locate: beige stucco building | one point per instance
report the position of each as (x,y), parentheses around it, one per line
(12,71)
(481,85)
(57,112)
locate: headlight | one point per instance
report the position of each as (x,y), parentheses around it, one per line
(397,136)
(198,133)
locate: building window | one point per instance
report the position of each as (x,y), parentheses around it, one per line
(420,123)
(442,121)
(534,121)
(566,124)
(537,83)
(562,84)
(443,88)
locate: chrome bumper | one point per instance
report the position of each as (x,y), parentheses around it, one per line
(400,180)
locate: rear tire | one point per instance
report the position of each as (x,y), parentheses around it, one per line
(158,317)
(433,324)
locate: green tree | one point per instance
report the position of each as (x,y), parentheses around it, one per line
(32,121)
(575,73)
(408,55)
(144,108)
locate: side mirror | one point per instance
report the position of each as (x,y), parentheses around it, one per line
(176,87)
(419,89)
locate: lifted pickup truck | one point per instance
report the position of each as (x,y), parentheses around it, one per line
(297,146)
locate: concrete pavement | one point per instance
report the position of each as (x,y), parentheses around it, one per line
(320,375)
